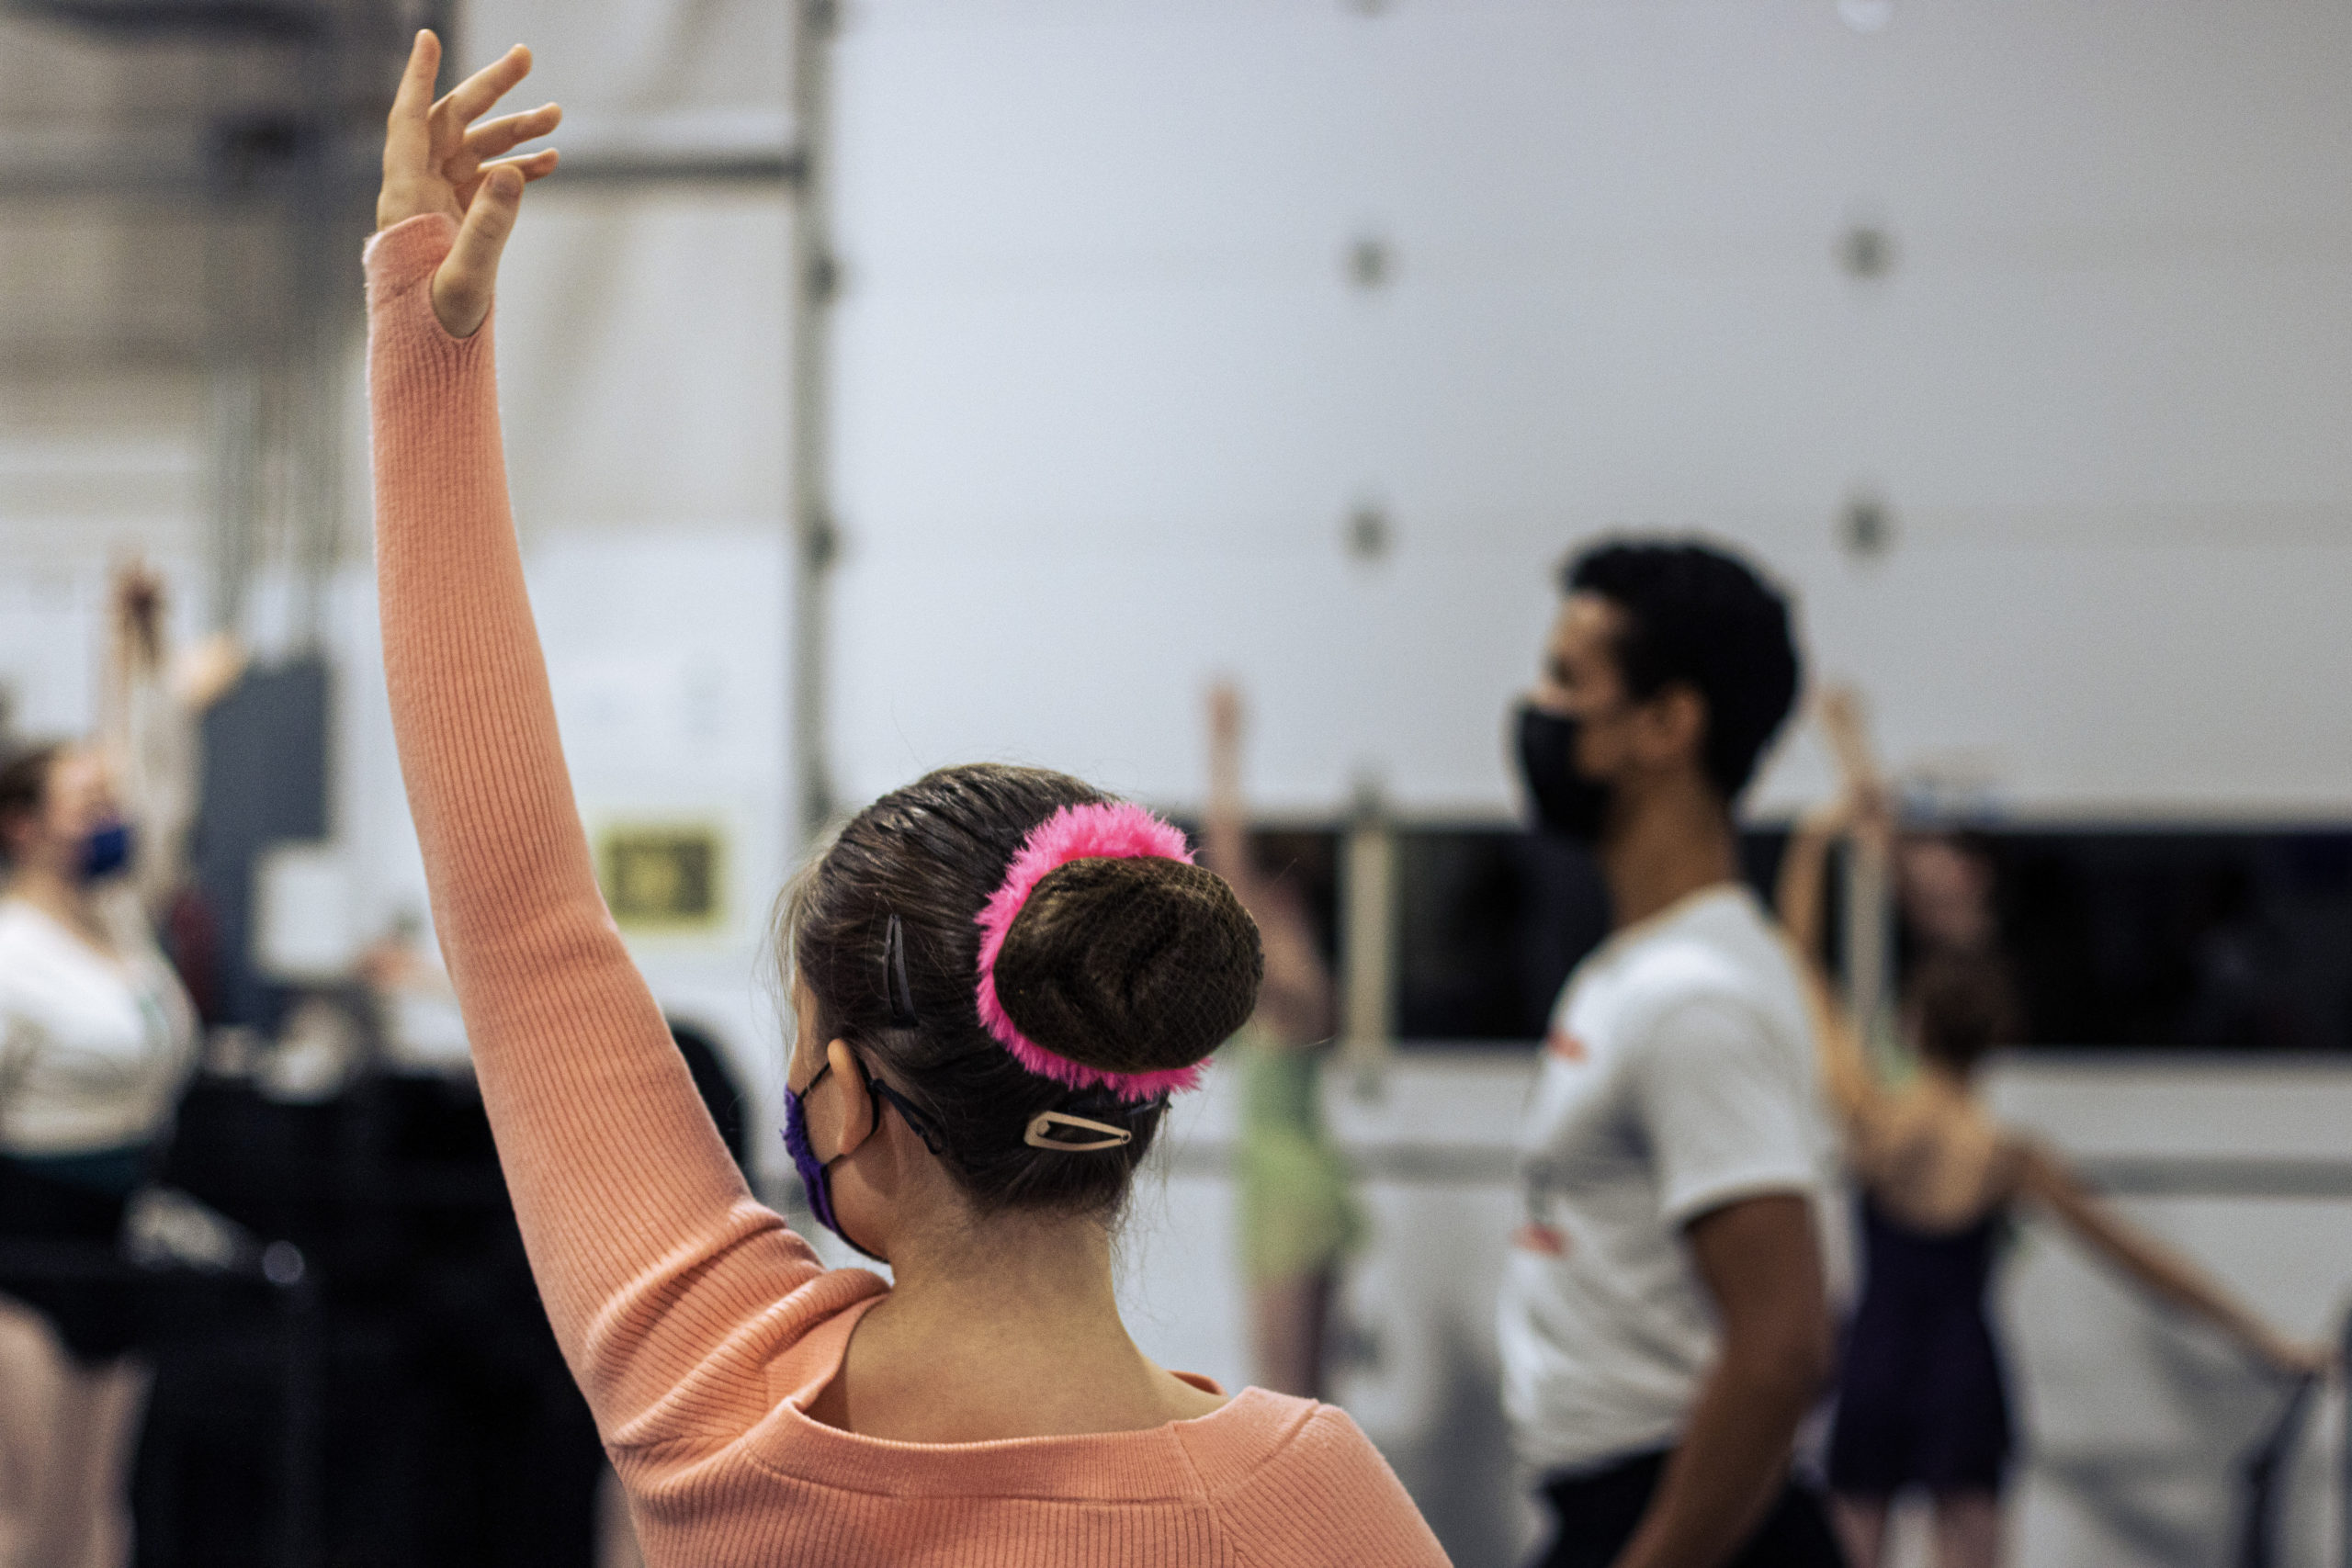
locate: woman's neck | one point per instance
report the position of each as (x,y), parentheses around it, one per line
(62,898)
(1060,1265)
(1007,1328)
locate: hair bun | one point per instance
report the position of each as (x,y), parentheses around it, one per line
(1131,964)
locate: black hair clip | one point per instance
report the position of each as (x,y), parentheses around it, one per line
(894,974)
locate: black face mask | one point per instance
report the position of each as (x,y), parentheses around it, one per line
(1565,801)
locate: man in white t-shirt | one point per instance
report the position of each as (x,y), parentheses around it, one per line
(1664,1324)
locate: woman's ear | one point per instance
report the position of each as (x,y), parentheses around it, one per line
(857,1100)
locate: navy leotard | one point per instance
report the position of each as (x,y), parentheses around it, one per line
(1922,1400)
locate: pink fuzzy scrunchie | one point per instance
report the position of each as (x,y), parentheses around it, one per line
(1114,831)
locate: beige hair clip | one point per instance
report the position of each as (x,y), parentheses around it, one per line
(1044,1122)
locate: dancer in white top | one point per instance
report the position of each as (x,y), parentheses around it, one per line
(1664,1320)
(96,1042)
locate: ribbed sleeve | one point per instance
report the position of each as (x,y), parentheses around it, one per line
(649,1249)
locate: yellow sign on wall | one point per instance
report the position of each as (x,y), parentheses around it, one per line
(663,877)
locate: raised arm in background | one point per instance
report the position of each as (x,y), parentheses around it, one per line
(2037,1173)
(1801,900)
(151,703)
(1846,1072)
(2045,1178)
(650,1256)
(1295,1003)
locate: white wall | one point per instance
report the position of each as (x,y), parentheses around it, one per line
(1107,395)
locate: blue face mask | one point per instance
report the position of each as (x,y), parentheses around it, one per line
(106,851)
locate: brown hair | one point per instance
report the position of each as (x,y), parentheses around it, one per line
(24,789)
(1963,1004)
(1133,964)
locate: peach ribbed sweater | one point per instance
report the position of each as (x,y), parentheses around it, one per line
(699,1325)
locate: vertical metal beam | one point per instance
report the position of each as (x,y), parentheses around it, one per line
(232,411)
(322,225)
(1368,963)
(283,222)
(1868,939)
(814,276)
(2344,1457)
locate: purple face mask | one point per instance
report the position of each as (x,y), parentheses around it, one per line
(816,1175)
(815,1180)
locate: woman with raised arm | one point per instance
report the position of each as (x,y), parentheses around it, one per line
(1298,1213)
(1923,1400)
(997,976)
(98,1038)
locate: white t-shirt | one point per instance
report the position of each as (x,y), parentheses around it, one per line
(1678,1076)
(93,1048)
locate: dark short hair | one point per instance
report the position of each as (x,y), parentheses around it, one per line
(1124,965)
(1699,617)
(24,787)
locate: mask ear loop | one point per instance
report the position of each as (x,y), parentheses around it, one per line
(882,1094)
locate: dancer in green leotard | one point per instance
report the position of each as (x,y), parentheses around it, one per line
(1299,1214)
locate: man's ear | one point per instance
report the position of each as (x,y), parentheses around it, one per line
(857,1100)
(1672,727)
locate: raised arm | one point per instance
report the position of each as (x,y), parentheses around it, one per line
(1296,1002)
(647,1247)
(1802,899)
(147,736)
(2163,1273)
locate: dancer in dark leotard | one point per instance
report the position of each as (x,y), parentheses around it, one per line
(1922,1401)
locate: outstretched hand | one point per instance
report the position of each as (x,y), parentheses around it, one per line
(437,160)
(2295,1357)
(138,593)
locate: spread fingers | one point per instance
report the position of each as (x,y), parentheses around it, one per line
(473,97)
(485,142)
(502,136)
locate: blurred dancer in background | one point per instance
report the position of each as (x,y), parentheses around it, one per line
(1664,1320)
(1923,1401)
(96,1040)
(1299,1217)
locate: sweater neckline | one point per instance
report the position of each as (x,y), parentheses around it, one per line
(1173,1463)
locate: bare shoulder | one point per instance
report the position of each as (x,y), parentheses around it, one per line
(1936,1160)
(2033,1168)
